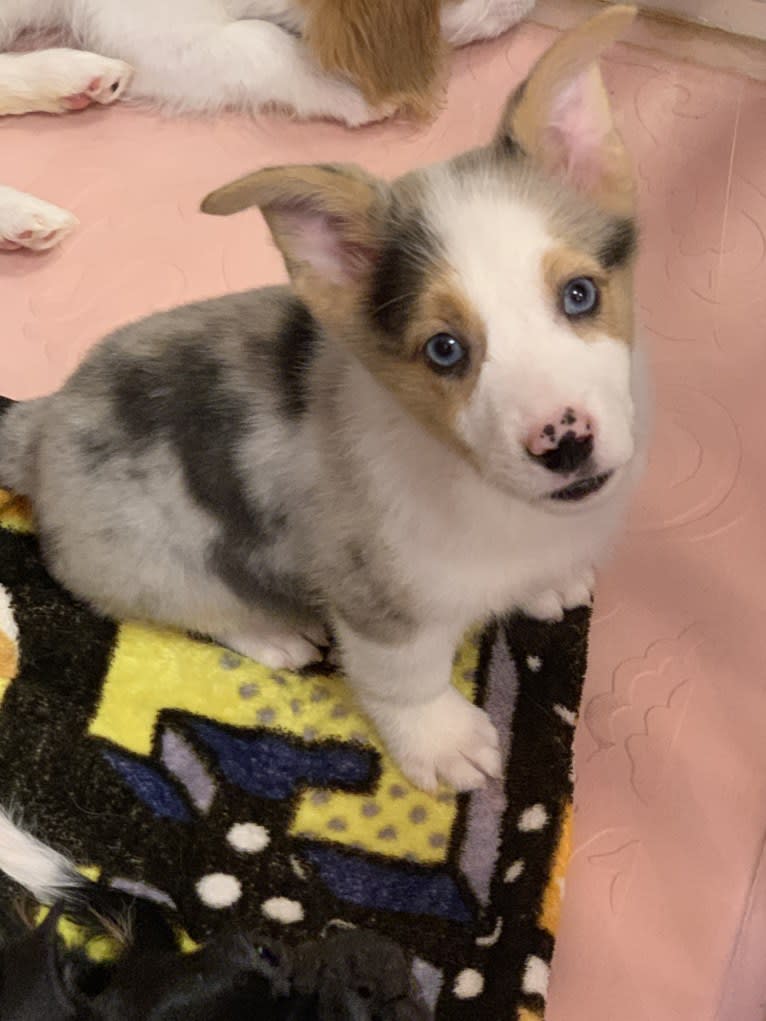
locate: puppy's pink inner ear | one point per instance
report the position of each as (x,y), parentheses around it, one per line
(325,243)
(580,130)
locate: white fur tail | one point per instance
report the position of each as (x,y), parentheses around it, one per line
(45,873)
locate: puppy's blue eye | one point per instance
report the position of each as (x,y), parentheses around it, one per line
(445,352)
(579,297)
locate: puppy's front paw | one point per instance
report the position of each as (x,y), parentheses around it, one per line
(61,80)
(29,222)
(447,739)
(102,88)
(552,603)
(96,80)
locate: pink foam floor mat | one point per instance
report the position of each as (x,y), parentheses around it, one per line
(665,909)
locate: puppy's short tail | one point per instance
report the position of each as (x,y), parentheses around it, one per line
(18,431)
(46,874)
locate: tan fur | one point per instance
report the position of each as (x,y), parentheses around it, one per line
(392,49)
(528,111)
(346,194)
(344,189)
(615,312)
(352,199)
(435,400)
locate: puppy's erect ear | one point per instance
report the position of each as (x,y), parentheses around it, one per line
(391,49)
(561,116)
(324,219)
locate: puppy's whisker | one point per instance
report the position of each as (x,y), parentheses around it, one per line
(118,927)
(397,299)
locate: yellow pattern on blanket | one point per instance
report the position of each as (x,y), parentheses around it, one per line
(155,669)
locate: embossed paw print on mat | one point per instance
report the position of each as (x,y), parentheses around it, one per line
(240,795)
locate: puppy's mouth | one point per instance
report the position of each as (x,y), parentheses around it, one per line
(581,490)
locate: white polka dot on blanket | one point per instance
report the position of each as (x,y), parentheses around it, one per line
(533,818)
(248,837)
(219,890)
(566,714)
(513,871)
(468,984)
(536,977)
(282,909)
(7,620)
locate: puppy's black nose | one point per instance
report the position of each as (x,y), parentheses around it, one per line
(562,442)
(571,452)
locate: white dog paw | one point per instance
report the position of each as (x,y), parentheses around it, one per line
(447,739)
(580,591)
(29,222)
(278,650)
(552,603)
(61,80)
(97,80)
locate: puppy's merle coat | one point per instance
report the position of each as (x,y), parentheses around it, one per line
(440,420)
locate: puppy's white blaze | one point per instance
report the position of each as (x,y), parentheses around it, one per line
(535,362)
(607,395)
(45,873)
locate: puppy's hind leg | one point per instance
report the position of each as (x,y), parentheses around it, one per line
(467,21)
(247,65)
(274,643)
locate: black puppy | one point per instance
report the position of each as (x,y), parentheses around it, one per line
(352,975)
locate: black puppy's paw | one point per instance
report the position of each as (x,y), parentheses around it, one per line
(357,976)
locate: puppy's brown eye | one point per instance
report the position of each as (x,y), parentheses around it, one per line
(445,353)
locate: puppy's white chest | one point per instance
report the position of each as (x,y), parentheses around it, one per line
(469,557)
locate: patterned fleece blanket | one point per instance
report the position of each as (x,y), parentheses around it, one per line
(182,772)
